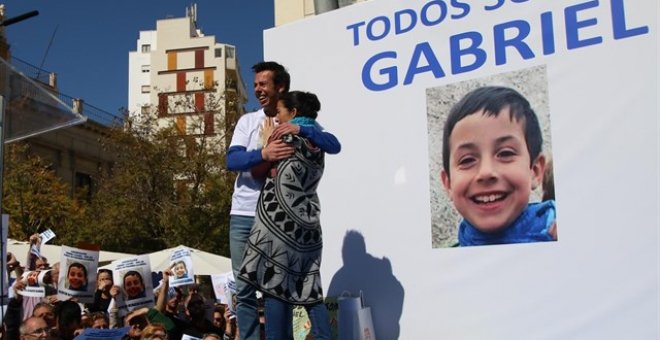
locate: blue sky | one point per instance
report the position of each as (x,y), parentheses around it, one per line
(90,48)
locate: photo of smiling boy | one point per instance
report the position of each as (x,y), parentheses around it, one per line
(76,277)
(492,160)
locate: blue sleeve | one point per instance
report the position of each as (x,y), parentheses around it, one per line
(324,140)
(239,159)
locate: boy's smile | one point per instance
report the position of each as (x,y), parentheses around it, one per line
(490,179)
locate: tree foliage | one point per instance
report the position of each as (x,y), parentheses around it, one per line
(35,198)
(166,187)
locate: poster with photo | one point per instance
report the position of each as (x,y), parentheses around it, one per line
(133,276)
(219,282)
(37,283)
(230,292)
(181,267)
(491,183)
(77,274)
(32,285)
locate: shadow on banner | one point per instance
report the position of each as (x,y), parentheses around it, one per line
(374,277)
(31,108)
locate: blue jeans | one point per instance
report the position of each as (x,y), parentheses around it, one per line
(246,306)
(279,320)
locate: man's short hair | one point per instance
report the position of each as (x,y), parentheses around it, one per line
(280,74)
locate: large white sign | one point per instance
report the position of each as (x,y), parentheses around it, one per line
(387,73)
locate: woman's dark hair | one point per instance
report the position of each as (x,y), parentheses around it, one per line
(306,103)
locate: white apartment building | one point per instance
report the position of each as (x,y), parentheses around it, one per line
(186,77)
(287,11)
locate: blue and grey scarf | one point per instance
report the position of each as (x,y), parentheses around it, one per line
(533,225)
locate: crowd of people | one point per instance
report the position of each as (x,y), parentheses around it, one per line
(176,311)
(278,148)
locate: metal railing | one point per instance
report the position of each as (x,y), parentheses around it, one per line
(94,113)
(31,71)
(90,111)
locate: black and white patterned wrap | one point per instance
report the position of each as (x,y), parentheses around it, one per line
(283,253)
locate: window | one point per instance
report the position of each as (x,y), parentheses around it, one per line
(146,88)
(146,68)
(145,109)
(230,52)
(162,104)
(146,48)
(84,185)
(218,52)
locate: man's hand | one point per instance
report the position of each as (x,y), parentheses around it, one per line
(285,129)
(277,150)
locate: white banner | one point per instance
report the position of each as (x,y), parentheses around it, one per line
(388,72)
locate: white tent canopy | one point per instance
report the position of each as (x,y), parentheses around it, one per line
(204,263)
(53,252)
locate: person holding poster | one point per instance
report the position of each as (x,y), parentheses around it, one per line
(287,231)
(492,160)
(102,295)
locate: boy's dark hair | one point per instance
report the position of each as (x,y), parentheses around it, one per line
(280,74)
(79,266)
(306,103)
(492,99)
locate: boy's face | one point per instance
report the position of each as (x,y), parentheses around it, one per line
(76,278)
(180,270)
(489,178)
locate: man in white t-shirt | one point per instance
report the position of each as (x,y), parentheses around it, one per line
(246,152)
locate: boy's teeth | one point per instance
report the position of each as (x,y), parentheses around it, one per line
(487,198)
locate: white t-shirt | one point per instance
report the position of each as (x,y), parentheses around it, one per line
(247,188)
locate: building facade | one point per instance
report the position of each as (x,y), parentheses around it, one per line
(287,11)
(73,152)
(186,78)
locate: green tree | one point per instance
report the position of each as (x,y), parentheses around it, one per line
(168,186)
(34,196)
